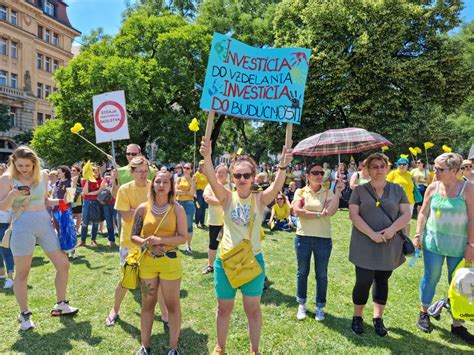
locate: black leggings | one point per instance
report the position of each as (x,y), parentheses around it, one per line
(214,232)
(367,278)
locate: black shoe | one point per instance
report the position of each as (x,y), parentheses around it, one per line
(357,325)
(424,323)
(379,327)
(463,333)
(143,351)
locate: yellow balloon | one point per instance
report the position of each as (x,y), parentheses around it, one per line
(77,128)
(194,125)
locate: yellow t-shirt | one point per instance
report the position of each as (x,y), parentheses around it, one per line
(281,212)
(215,213)
(201,181)
(420,175)
(405,181)
(184,185)
(129,196)
(314,202)
(237,223)
(167,228)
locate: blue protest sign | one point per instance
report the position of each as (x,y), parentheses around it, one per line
(249,82)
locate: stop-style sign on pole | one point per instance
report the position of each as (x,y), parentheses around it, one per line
(110,117)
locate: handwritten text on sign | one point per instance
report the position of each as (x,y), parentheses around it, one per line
(263,84)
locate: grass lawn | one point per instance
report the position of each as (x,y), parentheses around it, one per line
(94,275)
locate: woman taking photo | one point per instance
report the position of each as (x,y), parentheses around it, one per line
(159,226)
(237,219)
(313,206)
(215,218)
(445,230)
(378,211)
(25,187)
(185,189)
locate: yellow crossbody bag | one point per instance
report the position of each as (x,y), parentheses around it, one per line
(132,262)
(240,265)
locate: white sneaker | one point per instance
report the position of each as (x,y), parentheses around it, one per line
(73,255)
(8,283)
(25,321)
(63,309)
(319,314)
(301,312)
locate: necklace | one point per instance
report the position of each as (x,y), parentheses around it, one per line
(159,210)
(377,196)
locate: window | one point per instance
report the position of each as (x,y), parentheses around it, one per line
(47,35)
(13,17)
(49,8)
(12,115)
(47,90)
(3,13)
(3,46)
(55,65)
(47,117)
(39,119)
(3,77)
(47,64)
(56,39)
(13,81)
(40,31)
(39,91)
(39,61)
(14,49)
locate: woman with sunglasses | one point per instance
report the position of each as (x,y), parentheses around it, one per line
(280,218)
(237,219)
(445,230)
(378,210)
(402,177)
(466,169)
(185,190)
(313,206)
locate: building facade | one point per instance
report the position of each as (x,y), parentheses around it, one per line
(35,40)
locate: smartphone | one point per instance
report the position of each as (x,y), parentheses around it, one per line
(24,188)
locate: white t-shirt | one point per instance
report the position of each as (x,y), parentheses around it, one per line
(6,216)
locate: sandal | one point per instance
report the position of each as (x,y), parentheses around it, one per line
(110,321)
(209,269)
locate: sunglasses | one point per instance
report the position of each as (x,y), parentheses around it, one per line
(187,168)
(402,164)
(466,167)
(439,170)
(279,199)
(377,167)
(316,173)
(132,154)
(239,176)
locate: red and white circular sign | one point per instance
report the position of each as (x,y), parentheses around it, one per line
(109,116)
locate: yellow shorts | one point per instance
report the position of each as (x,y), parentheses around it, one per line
(165,268)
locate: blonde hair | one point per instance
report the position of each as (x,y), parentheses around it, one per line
(24,152)
(152,193)
(452,160)
(136,162)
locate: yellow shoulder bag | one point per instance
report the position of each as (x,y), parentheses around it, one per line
(240,265)
(462,305)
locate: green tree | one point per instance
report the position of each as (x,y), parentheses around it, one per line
(4,118)
(386,66)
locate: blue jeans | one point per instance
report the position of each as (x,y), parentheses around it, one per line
(201,206)
(5,253)
(109,215)
(321,249)
(189,208)
(433,266)
(85,222)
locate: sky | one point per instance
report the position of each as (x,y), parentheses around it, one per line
(86,15)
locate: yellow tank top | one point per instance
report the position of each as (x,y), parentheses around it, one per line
(184,185)
(237,221)
(151,222)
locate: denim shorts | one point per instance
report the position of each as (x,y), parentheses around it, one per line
(31,228)
(224,290)
(190,209)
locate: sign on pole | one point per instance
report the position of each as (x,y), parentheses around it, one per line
(110,117)
(249,82)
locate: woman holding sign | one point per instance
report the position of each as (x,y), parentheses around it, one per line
(240,222)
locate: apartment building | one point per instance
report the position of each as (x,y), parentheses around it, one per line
(35,40)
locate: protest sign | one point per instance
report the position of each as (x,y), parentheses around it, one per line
(249,82)
(110,117)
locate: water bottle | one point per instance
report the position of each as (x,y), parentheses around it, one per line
(413,258)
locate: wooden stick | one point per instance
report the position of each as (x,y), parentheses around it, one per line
(288,137)
(210,123)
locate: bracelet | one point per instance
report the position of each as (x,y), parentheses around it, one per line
(282,167)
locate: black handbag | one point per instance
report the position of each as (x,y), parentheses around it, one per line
(408,246)
(96,212)
(104,197)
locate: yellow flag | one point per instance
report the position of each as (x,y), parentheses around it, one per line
(384,148)
(428,145)
(87,172)
(446,149)
(77,128)
(418,150)
(194,125)
(239,151)
(404,156)
(413,151)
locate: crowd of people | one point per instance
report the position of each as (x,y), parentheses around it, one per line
(155,210)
